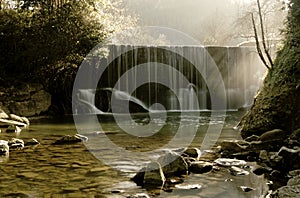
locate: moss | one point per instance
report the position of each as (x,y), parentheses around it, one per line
(277,105)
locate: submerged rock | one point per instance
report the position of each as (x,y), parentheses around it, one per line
(71,139)
(32,142)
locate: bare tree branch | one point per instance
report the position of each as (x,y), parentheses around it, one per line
(257,43)
(266,50)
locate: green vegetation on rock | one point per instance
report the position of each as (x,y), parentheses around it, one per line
(277,105)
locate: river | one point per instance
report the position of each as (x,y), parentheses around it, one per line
(95,170)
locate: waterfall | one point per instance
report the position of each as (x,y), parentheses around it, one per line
(86,97)
(240,68)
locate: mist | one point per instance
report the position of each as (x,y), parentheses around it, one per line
(215,22)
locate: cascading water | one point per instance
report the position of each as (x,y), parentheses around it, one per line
(86,97)
(240,67)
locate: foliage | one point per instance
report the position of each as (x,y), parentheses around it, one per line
(47,44)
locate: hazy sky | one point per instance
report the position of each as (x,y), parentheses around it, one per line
(209,21)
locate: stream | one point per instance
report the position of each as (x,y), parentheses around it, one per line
(94,169)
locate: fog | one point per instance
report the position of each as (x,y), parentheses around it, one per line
(217,22)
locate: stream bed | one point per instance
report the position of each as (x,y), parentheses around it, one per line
(97,170)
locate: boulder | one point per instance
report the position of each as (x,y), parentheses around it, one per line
(234,146)
(200,167)
(154,176)
(173,164)
(276,134)
(273,145)
(192,152)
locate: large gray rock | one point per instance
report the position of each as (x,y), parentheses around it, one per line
(173,164)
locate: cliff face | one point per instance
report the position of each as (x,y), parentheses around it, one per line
(278,103)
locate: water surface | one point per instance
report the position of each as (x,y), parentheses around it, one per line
(94,170)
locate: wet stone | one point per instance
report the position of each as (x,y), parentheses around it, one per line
(233,146)
(200,167)
(276,134)
(192,152)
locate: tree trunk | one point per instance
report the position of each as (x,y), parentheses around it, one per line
(278,103)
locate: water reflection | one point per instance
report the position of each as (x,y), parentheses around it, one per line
(71,170)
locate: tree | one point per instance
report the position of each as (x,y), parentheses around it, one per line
(271,13)
(47,43)
(277,105)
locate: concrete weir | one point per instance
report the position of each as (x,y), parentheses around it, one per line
(185,81)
